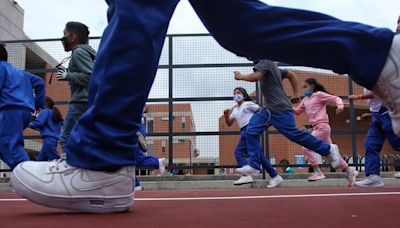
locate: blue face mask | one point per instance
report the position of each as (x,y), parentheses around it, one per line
(307,92)
(238,97)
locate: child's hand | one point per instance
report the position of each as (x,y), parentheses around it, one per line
(238,75)
(295,99)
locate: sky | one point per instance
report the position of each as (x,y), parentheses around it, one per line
(46,18)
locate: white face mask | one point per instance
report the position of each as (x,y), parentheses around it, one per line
(238,97)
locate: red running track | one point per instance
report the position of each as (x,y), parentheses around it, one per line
(244,208)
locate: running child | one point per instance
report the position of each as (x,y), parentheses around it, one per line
(49,123)
(278,112)
(314,104)
(21,94)
(241,114)
(379,130)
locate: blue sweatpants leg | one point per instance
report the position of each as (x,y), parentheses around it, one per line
(251,28)
(285,124)
(373,145)
(49,149)
(12,125)
(241,149)
(386,124)
(254,130)
(123,74)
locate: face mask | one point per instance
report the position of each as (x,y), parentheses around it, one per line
(65,43)
(307,92)
(238,97)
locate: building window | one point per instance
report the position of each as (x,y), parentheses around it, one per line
(150,126)
(163,146)
(183,121)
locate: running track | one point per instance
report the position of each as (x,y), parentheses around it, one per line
(244,208)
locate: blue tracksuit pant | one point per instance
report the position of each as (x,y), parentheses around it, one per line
(242,149)
(12,124)
(379,130)
(49,149)
(127,60)
(285,124)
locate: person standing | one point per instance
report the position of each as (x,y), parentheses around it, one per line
(314,104)
(278,112)
(379,130)
(49,123)
(21,94)
(78,73)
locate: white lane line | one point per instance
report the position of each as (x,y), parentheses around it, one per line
(270,197)
(250,197)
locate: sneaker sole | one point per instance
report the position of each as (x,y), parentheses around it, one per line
(82,204)
(369,186)
(242,183)
(311,180)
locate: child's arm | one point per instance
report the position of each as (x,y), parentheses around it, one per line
(40,121)
(333,100)
(299,109)
(252,77)
(294,83)
(229,121)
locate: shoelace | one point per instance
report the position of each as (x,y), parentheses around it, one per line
(57,162)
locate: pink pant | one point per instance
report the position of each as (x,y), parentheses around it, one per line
(323,132)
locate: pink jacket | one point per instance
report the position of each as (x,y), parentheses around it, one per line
(315,107)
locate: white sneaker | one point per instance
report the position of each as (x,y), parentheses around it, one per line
(373,181)
(59,185)
(334,156)
(142,141)
(316,176)
(138,188)
(352,177)
(275,182)
(248,171)
(244,180)
(162,163)
(396,175)
(387,88)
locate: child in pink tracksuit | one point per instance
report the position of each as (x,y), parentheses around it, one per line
(314,104)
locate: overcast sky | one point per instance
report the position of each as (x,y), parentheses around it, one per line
(46,18)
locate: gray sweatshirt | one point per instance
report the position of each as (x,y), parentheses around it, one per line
(79,71)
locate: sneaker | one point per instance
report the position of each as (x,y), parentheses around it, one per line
(142,141)
(387,88)
(59,185)
(334,156)
(138,188)
(244,180)
(396,175)
(275,182)
(352,177)
(316,176)
(373,181)
(248,171)
(162,163)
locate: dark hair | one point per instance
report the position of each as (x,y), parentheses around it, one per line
(246,96)
(3,53)
(317,85)
(81,31)
(57,116)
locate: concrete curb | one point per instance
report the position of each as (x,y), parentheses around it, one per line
(226,182)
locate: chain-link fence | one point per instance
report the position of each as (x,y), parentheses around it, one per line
(194,84)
